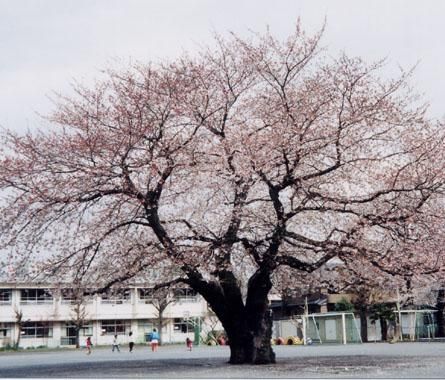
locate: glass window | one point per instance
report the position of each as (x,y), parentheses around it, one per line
(183,326)
(118,297)
(116,327)
(38,296)
(145,295)
(5,330)
(68,337)
(185,295)
(85,330)
(71,296)
(145,327)
(5,296)
(37,330)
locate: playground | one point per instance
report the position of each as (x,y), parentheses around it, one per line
(371,360)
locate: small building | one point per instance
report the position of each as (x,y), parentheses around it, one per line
(287,307)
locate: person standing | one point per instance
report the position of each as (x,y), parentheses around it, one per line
(131,341)
(89,344)
(154,340)
(115,344)
(189,343)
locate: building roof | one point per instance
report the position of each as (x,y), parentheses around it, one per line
(314,299)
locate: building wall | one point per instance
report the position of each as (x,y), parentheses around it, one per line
(136,315)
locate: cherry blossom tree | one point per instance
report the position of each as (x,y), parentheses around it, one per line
(228,164)
(78,313)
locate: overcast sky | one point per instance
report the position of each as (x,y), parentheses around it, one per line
(44,44)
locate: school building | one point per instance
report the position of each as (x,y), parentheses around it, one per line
(42,315)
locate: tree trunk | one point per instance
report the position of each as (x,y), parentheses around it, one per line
(250,340)
(384,329)
(248,325)
(17,342)
(77,337)
(19,316)
(247,347)
(160,325)
(440,306)
(250,336)
(363,311)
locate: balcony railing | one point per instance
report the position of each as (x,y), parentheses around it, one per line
(115,302)
(36,302)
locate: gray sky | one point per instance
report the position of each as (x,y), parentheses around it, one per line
(45,44)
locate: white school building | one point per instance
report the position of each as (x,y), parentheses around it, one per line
(47,315)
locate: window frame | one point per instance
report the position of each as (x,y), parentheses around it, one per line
(5,330)
(115,326)
(38,296)
(145,295)
(85,330)
(3,300)
(118,298)
(67,297)
(183,326)
(185,295)
(41,330)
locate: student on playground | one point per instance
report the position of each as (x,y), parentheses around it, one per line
(189,343)
(130,341)
(115,344)
(89,344)
(154,340)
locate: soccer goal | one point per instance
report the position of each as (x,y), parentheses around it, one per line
(418,324)
(333,327)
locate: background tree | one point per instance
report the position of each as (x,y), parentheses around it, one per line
(256,154)
(384,313)
(369,287)
(79,315)
(19,323)
(161,299)
(344,305)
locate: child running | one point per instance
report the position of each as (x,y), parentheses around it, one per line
(189,343)
(89,344)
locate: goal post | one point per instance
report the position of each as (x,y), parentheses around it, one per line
(335,327)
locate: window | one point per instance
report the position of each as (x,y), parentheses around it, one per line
(145,295)
(73,297)
(85,330)
(116,327)
(119,297)
(185,295)
(5,296)
(38,296)
(429,318)
(145,327)
(5,330)
(183,326)
(37,330)
(69,339)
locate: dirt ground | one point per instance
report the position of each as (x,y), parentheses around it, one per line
(372,360)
